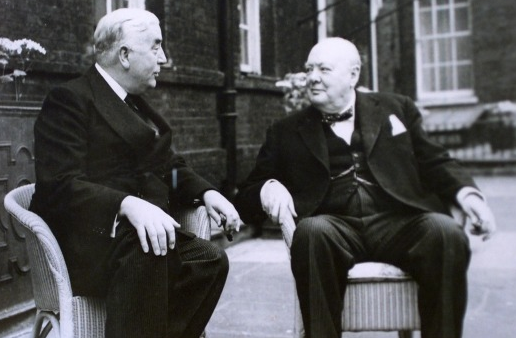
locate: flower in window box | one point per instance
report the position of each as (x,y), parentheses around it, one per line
(16,58)
(294,87)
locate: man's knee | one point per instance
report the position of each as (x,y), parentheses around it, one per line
(446,233)
(316,227)
(206,251)
(318,237)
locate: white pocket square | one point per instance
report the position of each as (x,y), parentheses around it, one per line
(397,125)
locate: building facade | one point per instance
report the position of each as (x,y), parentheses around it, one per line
(218,91)
(457,59)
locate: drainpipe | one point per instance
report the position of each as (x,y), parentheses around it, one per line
(227,96)
(374,8)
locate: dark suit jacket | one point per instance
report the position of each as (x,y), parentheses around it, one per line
(408,166)
(92,151)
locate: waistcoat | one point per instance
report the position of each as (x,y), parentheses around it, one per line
(351,178)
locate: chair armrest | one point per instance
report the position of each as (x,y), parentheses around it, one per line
(195,220)
(288,234)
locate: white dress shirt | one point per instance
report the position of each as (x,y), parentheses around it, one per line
(344,129)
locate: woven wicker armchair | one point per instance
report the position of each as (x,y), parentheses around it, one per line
(379,296)
(69,316)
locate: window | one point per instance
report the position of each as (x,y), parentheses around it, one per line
(322,30)
(250,52)
(444,56)
(102,7)
(111,5)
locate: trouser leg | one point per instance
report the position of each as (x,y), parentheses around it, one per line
(435,251)
(163,296)
(136,300)
(195,295)
(322,252)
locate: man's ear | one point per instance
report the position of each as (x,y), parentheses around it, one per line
(123,56)
(355,74)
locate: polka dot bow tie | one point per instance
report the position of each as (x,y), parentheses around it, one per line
(334,118)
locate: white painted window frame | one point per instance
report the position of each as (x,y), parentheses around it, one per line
(322,22)
(440,97)
(253,38)
(130,4)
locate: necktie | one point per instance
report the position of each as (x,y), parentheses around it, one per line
(334,118)
(131,101)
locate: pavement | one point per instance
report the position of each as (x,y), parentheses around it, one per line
(258,300)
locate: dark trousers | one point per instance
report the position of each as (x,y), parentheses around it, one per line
(152,296)
(430,246)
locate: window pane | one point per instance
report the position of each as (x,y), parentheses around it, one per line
(446,78)
(442,2)
(465,79)
(243,11)
(463,45)
(425,3)
(244,47)
(426,23)
(428,51)
(461,1)
(445,49)
(461,19)
(116,4)
(429,80)
(443,21)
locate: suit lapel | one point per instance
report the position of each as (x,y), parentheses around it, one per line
(120,116)
(370,118)
(312,133)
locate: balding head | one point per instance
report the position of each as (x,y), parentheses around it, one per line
(339,50)
(333,70)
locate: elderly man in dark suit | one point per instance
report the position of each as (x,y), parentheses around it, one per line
(106,178)
(358,178)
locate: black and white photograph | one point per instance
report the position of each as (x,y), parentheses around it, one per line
(257,168)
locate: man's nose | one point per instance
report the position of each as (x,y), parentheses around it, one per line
(313,76)
(162,59)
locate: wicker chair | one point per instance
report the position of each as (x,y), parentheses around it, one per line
(379,297)
(69,316)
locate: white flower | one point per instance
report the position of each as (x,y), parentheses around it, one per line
(28,45)
(17,56)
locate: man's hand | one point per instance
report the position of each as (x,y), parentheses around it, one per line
(221,210)
(151,221)
(278,204)
(480,214)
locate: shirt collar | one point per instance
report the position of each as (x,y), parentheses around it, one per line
(112,82)
(351,104)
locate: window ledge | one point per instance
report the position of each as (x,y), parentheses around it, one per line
(255,81)
(446,100)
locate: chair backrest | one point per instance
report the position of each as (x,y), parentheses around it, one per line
(51,284)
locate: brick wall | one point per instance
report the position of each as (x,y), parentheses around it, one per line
(494,49)
(188,93)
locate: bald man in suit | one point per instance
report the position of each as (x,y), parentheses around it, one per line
(106,179)
(357,177)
